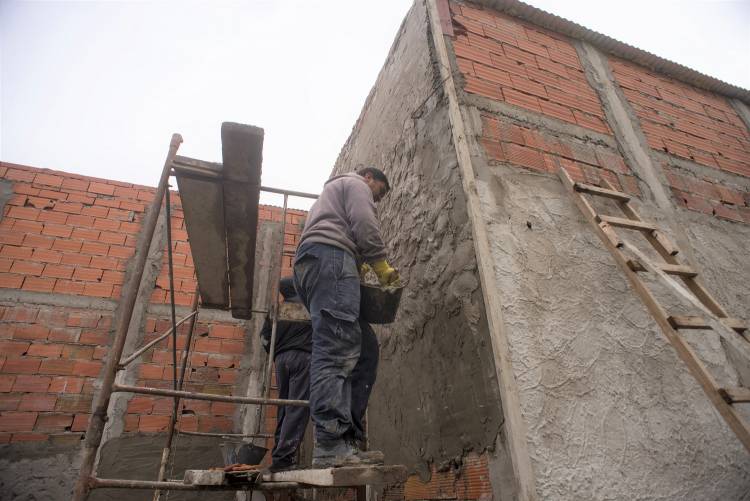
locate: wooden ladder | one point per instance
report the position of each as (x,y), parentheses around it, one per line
(713,316)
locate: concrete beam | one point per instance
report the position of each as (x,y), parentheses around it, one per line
(742,110)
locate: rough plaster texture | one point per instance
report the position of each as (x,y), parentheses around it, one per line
(33,472)
(436,396)
(135,456)
(612,413)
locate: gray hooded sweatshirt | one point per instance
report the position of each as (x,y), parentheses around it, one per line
(344,216)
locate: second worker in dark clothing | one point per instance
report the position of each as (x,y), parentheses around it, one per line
(292,361)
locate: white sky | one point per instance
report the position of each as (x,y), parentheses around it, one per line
(97,88)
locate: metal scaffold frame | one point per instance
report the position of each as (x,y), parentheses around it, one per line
(87,479)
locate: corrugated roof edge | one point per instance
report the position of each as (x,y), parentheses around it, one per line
(607,44)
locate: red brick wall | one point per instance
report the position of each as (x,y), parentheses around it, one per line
(530,148)
(685,121)
(507,60)
(470,480)
(73,235)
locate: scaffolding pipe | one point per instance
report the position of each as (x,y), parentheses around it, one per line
(148,345)
(231,435)
(207,396)
(98,418)
(116,483)
(178,386)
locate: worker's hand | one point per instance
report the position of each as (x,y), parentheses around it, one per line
(363,271)
(387,275)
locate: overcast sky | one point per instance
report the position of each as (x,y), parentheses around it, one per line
(97,88)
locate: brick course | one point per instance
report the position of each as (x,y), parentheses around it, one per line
(505,59)
(67,234)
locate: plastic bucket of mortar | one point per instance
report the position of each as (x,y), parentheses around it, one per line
(379,305)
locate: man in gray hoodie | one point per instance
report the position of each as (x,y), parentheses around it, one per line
(341,232)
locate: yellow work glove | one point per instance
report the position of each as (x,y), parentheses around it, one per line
(363,271)
(387,275)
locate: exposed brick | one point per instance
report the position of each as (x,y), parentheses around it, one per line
(48,179)
(65,245)
(94,338)
(46,256)
(27,268)
(483,88)
(87,274)
(57,230)
(87,368)
(39,284)
(66,384)
(31,383)
(97,289)
(523,100)
(101,188)
(80,422)
(38,241)
(95,248)
(6,382)
(45,350)
(37,402)
(17,421)
(69,286)
(10,402)
(58,271)
(30,437)
(523,156)
(11,280)
(53,422)
(74,403)
(150,423)
(34,331)
(13,348)
(58,367)
(61,334)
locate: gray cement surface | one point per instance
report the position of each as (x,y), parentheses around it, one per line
(612,412)
(436,396)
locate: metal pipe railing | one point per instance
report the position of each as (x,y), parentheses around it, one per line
(166,451)
(207,396)
(153,342)
(173,485)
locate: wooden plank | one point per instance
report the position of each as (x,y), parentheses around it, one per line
(690,322)
(602,192)
(342,477)
(683,349)
(203,204)
(630,224)
(514,426)
(665,242)
(242,148)
(738,395)
(672,269)
(203,477)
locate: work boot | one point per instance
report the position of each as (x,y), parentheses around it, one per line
(343,453)
(282,466)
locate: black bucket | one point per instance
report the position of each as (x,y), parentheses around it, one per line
(379,305)
(235,452)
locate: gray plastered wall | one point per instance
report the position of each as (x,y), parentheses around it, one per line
(611,411)
(436,396)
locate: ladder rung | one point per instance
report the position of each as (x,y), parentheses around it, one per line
(602,192)
(688,322)
(735,395)
(670,269)
(627,223)
(666,244)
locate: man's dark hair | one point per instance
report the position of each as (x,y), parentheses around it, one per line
(376,174)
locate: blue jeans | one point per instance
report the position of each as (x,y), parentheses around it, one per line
(293,378)
(327,280)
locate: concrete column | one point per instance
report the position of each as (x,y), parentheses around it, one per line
(119,402)
(630,139)
(742,110)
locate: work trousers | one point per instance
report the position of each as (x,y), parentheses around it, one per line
(343,365)
(293,379)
